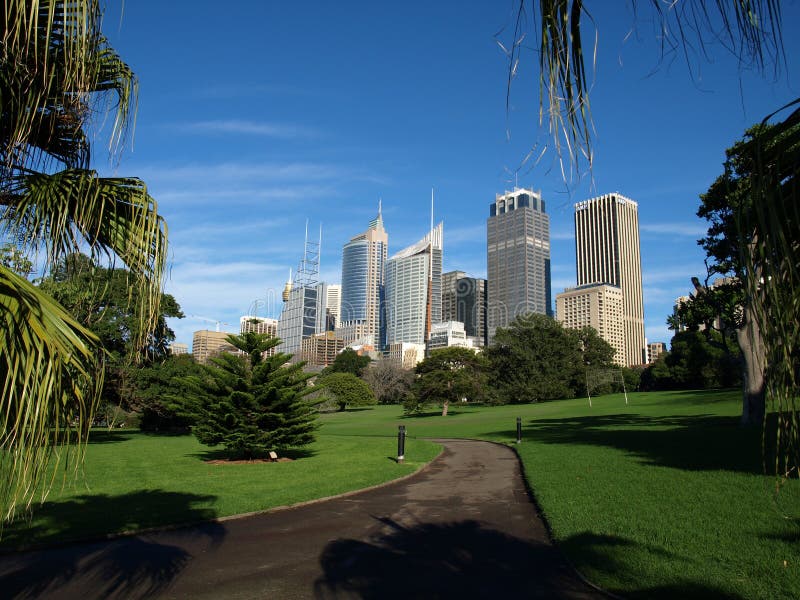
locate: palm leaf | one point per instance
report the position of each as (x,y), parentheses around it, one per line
(111,214)
(749,29)
(51,376)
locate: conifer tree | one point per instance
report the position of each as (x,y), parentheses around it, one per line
(250,404)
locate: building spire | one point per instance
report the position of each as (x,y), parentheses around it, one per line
(377,222)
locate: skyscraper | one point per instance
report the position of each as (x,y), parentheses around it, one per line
(414,290)
(607,251)
(464,300)
(299,316)
(363,263)
(518,257)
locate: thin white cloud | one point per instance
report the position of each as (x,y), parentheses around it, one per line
(693,230)
(242,127)
(562,235)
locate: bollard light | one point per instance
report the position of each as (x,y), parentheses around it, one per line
(519,429)
(401,443)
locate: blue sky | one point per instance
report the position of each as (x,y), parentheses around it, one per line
(255,117)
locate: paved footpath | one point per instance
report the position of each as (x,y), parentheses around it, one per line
(462,528)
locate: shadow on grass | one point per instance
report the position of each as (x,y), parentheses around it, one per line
(103,435)
(461,559)
(221,454)
(91,516)
(593,552)
(125,567)
(693,443)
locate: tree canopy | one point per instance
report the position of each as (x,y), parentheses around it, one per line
(448,375)
(348,390)
(349,361)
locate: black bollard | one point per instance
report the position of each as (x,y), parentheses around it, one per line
(519,429)
(401,443)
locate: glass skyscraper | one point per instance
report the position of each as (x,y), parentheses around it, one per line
(363,262)
(518,257)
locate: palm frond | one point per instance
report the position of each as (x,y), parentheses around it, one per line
(773,267)
(750,29)
(111,214)
(51,374)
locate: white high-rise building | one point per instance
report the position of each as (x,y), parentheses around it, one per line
(607,251)
(414,290)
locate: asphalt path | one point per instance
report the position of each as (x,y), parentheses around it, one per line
(463,527)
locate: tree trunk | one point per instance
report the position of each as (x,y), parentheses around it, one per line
(444,408)
(753,364)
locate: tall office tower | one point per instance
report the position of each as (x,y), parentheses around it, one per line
(363,264)
(518,257)
(414,290)
(299,316)
(607,251)
(598,306)
(464,300)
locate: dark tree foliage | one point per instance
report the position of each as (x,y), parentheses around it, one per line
(250,404)
(693,363)
(448,375)
(348,390)
(536,359)
(150,389)
(349,361)
(102,300)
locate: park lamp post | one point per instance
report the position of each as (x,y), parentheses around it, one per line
(401,443)
(519,429)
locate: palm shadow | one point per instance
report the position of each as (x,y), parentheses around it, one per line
(93,516)
(125,567)
(464,559)
(692,443)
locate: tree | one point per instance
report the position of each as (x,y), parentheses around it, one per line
(694,363)
(390,383)
(535,359)
(57,74)
(448,375)
(13,258)
(102,301)
(251,404)
(349,361)
(727,308)
(150,387)
(348,390)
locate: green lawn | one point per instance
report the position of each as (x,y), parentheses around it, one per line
(661,498)
(135,480)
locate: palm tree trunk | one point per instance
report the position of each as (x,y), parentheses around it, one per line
(753,364)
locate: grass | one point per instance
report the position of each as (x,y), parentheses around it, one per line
(661,498)
(135,480)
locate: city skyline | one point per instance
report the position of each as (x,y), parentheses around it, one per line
(246,141)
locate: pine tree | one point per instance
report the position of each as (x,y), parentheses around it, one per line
(250,404)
